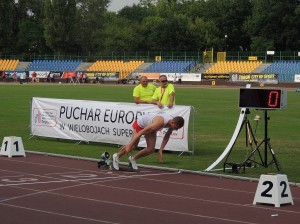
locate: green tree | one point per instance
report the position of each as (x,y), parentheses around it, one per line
(135,16)
(118,34)
(7,28)
(205,34)
(76,26)
(147,3)
(229,17)
(204,31)
(30,26)
(274,25)
(135,13)
(91,23)
(60,25)
(166,28)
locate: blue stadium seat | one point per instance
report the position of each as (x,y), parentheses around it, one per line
(171,66)
(54,65)
(286,70)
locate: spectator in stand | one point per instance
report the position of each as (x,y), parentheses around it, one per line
(51,77)
(3,76)
(70,78)
(33,77)
(165,94)
(179,79)
(175,79)
(97,78)
(83,78)
(143,92)
(22,78)
(79,77)
(15,77)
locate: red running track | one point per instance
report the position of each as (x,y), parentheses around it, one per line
(54,190)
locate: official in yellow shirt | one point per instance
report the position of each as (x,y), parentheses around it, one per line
(143,92)
(165,94)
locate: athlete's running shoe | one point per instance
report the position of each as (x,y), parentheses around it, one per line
(115,162)
(132,163)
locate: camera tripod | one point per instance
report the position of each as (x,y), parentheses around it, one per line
(267,146)
(252,142)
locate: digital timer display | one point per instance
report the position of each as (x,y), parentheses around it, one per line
(263,98)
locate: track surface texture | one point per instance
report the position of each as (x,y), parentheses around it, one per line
(48,189)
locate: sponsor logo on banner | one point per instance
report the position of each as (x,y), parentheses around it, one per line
(250,77)
(215,76)
(187,77)
(190,77)
(297,78)
(67,75)
(44,117)
(150,75)
(179,134)
(39,74)
(55,74)
(18,74)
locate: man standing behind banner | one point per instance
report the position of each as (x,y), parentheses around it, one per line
(165,94)
(143,92)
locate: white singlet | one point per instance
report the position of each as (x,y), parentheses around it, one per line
(147,119)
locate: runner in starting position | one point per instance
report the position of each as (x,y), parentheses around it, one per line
(148,125)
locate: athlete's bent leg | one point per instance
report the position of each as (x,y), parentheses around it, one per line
(150,140)
(124,149)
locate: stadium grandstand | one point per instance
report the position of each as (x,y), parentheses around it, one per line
(9,65)
(226,67)
(171,66)
(125,68)
(53,65)
(284,71)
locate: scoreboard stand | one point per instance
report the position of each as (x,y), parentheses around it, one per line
(260,99)
(263,99)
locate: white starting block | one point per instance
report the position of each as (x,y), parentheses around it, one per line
(12,146)
(273,189)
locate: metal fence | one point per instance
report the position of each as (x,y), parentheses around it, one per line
(150,56)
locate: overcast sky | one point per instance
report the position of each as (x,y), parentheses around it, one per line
(116,5)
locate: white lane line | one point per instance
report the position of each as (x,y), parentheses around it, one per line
(154,209)
(60,214)
(151,209)
(77,180)
(146,192)
(127,177)
(51,181)
(197,185)
(59,180)
(55,166)
(63,173)
(73,186)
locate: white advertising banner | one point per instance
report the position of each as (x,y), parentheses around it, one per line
(96,121)
(39,74)
(191,77)
(187,77)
